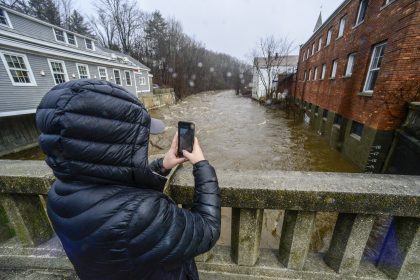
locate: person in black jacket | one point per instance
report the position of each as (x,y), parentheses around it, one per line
(107,205)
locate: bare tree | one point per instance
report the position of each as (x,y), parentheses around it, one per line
(269,59)
(124,15)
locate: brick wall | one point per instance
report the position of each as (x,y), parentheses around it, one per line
(398,82)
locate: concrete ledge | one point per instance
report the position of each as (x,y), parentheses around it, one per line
(310,191)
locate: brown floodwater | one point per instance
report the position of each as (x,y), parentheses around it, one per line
(240,134)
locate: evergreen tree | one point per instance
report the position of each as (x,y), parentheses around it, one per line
(46,10)
(77,24)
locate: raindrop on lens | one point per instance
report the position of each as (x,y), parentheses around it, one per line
(228,74)
(200,64)
(193,77)
(211,69)
(174,75)
(170,70)
(191,83)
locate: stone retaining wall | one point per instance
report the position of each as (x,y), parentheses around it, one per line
(159,98)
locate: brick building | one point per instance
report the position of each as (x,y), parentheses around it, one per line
(358,72)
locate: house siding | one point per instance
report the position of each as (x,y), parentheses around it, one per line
(17,98)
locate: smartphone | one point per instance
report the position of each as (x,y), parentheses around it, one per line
(186,131)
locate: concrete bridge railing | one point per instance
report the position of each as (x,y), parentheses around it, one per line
(27,240)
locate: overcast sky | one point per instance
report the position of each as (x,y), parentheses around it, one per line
(234,26)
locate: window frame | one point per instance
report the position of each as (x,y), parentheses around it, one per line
(329,37)
(93,44)
(323,71)
(334,68)
(355,129)
(320,43)
(87,70)
(359,11)
(64,35)
(66,76)
(6,16)
(315,73)
(375,47)
(310,74)
(99,73)
(142,81)
(353,56)
(313,48)
(342,27)
(75,39)
(28,68)
(304,76)
(119,75)
(129,74)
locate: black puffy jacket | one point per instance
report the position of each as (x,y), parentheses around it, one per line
(107,205)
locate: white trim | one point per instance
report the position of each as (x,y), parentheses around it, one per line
(66,76)
(6,15)
(75,39)
(64,36)
(96,58)
(15,113)
(106,73)
(25,59)
(370,66)
(93,45)
(87,70)
(115,80)
(40,21)
(125,76)
(342,26)
(349,72)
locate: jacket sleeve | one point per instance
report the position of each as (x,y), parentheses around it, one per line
(157,167)
(172,235)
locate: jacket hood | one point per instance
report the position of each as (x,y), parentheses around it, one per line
(96,131)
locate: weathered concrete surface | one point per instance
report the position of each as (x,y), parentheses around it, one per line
(350,235)
(295,238)
(25,177)
(311,191)
(153,101)
(246,235)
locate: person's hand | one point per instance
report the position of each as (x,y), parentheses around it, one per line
(171,160)
(196,155)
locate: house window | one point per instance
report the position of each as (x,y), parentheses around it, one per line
(387,2)
(59,35)
(307,54)
(103,75)
(350,64)
(315,73)
(338,120)
(361,12)
(356,128)
(142,81)
(71,39)
(313,48)
(19,70)
(325,113)
(329,36)
(58,70)
(375,65)
(334,69)
(117,76)
(89,44)
(324,69)
(316,110)
(304,76)
(310,74)
(4,19)
(83,71)
(342,26)
(127,78)
(320,44)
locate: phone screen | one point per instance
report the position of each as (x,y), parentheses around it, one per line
(185,137)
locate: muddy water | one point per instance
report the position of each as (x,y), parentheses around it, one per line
(238,133)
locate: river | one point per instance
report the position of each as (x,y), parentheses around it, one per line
(240,134)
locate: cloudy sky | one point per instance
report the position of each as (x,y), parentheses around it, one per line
(234,26)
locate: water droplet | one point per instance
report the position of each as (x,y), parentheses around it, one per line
(191,83)
(170,70)
(211,69)
(241,76)
(200,64)
(174,75)
(193,77)
(228,74)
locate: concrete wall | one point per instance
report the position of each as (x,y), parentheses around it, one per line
(368,151)
(160,98)
(17,133)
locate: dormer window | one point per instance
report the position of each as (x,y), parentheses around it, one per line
(4,19)
(89,44)
(71,39)
(59,35)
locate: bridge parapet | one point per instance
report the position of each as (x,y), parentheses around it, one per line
(28,241)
